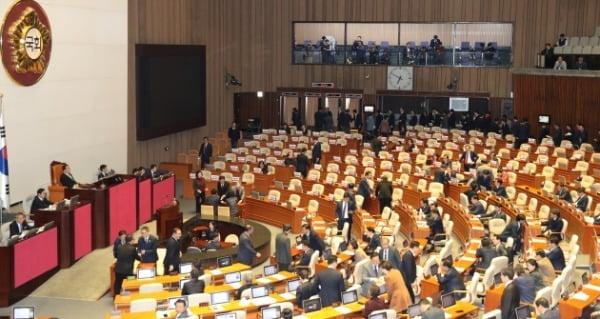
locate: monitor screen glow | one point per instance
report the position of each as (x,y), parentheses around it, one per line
(185,268)
(311,305)
(271,312)
(523,312)
(349,297)
(414,310)
(292,285)
(448,300)
(260,291)
(182,282)
(227,315)
(270,270)
(146,273)
(218,298)
(23,312)
(224,261)
(233,277)
(379,315)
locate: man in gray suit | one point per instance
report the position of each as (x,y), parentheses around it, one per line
(283,253)
(429,312)
(476,207)
(391,254)
(543,309)
(330,283)
(371,273)
(246,251)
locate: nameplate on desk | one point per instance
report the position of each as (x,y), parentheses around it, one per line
(279,162)
(348,136)
(269,145)
(444,130)
(427,129)
(399,148)
(531,141)
(277,153)
(462,132)
(332,142)
(396,133)
(419,143)
(427,135)
(234,168)
(293,146)
(550,143)
(276,138)
(273,199)
(316,134)
(367,145)
(331,134)
(235,150)
(480,134)
(486,151)
(235,179)
(353,152)
(444,137)
(256,137)
(257,170)
(509,145)
(241,159)
(214,177)
(312,177)
(409,128)
(337,158)
(256,152)
(318,166)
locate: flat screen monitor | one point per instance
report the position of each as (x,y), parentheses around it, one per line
(350,296)
(434,269)
(271,312)
(448,300)
(260,291)
(292,285)
(224,261)
(378,315)
(171,301)
(146,273)
(544,118)
(523,312)
(60,205)
(185,268)
(459,104)
(74,200)
(369,108)
(270,270)
(182,282)
(233,277)
(217,298)
(497,279)
(414,311)
(27,312)
(226,315)
(311,305)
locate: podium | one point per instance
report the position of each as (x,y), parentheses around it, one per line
(74,224)
(114,207)
(167,218)
(163,191)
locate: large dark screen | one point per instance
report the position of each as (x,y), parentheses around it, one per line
(171,89)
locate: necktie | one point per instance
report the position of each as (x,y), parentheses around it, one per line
(344,210)
(20,228)
(375,269)
(385,254)
(237,193)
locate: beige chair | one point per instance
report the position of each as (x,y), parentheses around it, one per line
(350,179)
(317,189)
(313,207)
(386,165)
(422,185)
(331,178)
(232,238)
(548,172)
(219,165)
(338,194)
(294,184)
(350,170)
(143,305)
(436,189)
(248,178)
(359,201)
(497,225)
(333,167)
(587,181)
(294,200)
(544,212)
(511,192)
(582,166)
(314,175)
(521,200)
(350,159)
(274,195)
(397,194)
(548,187)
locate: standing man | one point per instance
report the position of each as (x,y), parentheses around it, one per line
(391,254)
(343,213)
(330,283)
(234,135)
(205,152)
(408,267)
(314,241)
(40,201)
(296,118)
(173,255)
(246,251)
(468,158)
(147,245)
(316,153)
(370,274)
(511,298)
(364,189)
(302,163)
(126,256)
(383,191)
(283,253)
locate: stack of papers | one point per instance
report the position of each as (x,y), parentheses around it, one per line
(215,272)
(343,310)
(287,296)
(278,277)
(581,296)
(591,287)
(263,281)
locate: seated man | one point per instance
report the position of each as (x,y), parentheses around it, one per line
(66,179)
(181,310)
(194,286)
(545,266)
(563,193)
(307,252)
(436,226)
(213,243)
(581,202)
(498,245)
(485,254)
(476,207)
(19,226)
(373,239)
(495,213)
(450,279)
(499,189)
(306,288)
(554,224)
(40,201)
(556,255)
(247,285)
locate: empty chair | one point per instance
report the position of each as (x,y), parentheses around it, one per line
(338,194)
(274,195)
(548,172)
(232,238)
(497,225)
(521,199)
(397,194)
(333,167)
(219,165)
(544,212)
(294,184)
(248,178)
(331,178)
(314,175)
(422,185)
(311,265)
(582,167)
(436,189)
(548,187)
(317,189)
(153,287)
(350,179)
(142,305)
(294,200)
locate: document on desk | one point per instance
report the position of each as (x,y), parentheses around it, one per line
(263,281)
(580,296)
(216,272)
(278,277)
(459,269)
(468,258)
(343,310)
(591,287)
(287,296)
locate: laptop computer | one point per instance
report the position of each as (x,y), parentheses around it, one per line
(226,315)
(74,200)
(523,312)
(219,298)
(349,297)
(292,285)
(312,305)
(224,261)
(260,291)
(270,270)
(271,312)
(185,268)
(448,300)
(414,311)
(172,300)
(233,277)
(378,315)
(146,273)
(23,312)
(382,290)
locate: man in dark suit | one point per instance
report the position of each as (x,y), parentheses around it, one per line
(40,201)
(306,288)
(435,224)
(429,312)
(19,225)
(383,191)
(205,152)
(307,252)
(120,241)
(314,241)
(248,278)
(468,158)
(213,243)
(391,254)
(147,246)
(66,179)
(526,284)
(440,175)
(556,255)
(450,279)
(524,133)
(364,189)
(485,254)
(126,256)
(344,210)
(408,267)
(554,224)
(316,153)
(563,193)
(511,298)
(515,230)
(194,286)
(222,187)
(283,252)
(542,307)
(424,208)
(476,207)
(499,189)
(173,254)
(246,251)
(302,163)
(581,202)
(330,283)
(103,172)
(373,239)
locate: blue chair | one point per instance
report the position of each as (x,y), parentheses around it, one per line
(495,45)
(385,44)
(370,43)
(424,44)
(465,46)
(411,44)
(479,46)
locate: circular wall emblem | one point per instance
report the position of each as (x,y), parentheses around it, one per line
(26,42)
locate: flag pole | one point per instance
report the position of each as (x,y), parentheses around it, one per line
(1,201)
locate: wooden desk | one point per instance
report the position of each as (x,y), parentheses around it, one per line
(573,308)
(273,214)
(493,298)
(167,218)
(182,173)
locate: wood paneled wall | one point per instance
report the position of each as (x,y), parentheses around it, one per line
(252,40)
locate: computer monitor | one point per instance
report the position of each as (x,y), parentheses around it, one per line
(311,305)
(270,270)
(434,269)
(378,315)
(146,273)
(233,277)
(224,261)
(523,312)
(60,205)
(292,285)
(448,300)
(24,312)
(349,296)
(271,312)
(172,300)
(226,315)
(185,268)
(260,291)
(544,118)
(74,200)
(382,289)
(182,282)
(217,298)
(414,311)
(497,279)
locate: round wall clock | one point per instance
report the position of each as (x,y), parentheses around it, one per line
(26,42)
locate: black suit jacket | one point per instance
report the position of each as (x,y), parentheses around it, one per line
(38,204)
(118,243)
(564,195)
(222,189)
(553,225)
(316,152)
(14,228)
(172,254)
(374,243)
(331,284)
(581,203)
(509,301)
(393,257)
(408,268)
(305,260)
(67,181)
(193,287)
(363,188)
(451,281)
(339,213)
(304,291)
(486,255)
(205,152)
(501,191)
(302,164)
(126,256)
(441,177)
(315,242)
(557,257)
